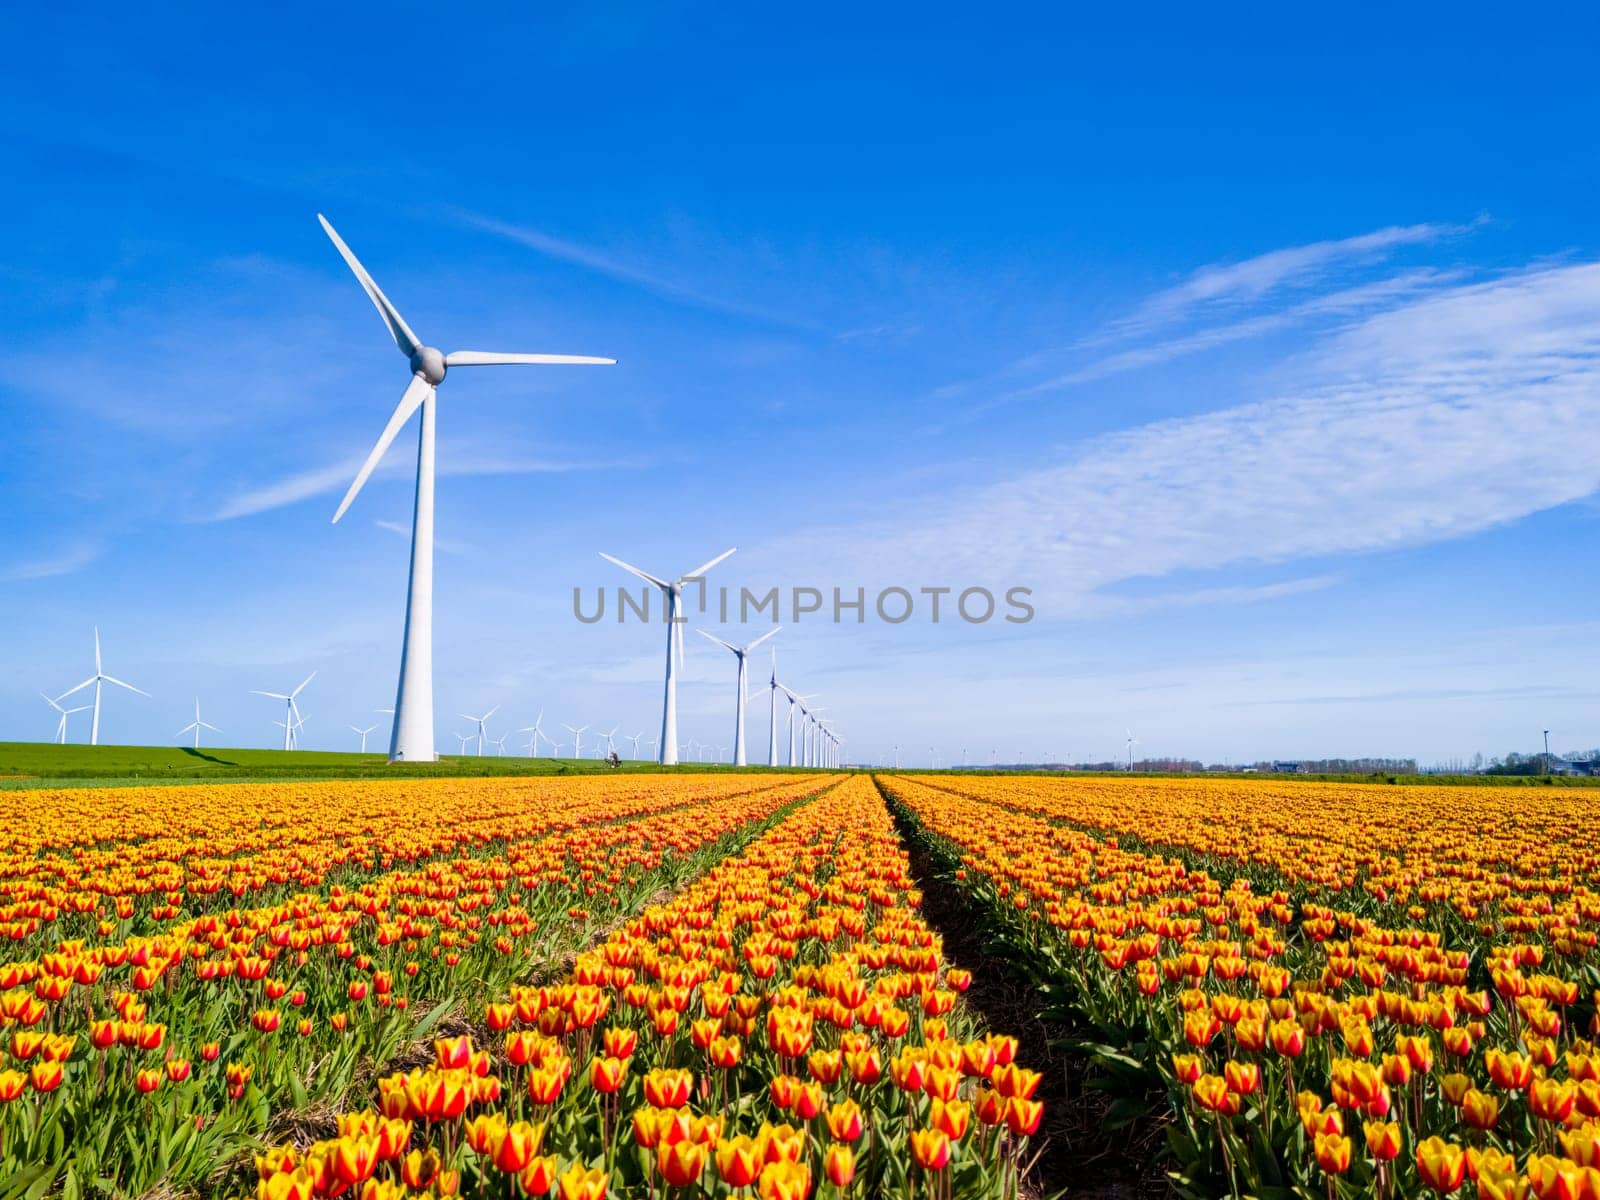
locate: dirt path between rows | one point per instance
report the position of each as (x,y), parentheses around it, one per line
(1077,1156)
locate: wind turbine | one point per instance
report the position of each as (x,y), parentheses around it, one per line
(482,732)
(197,725)
(741,653)
(99,677)
(794,699)
(611,747)
(635,740)
(577,739)
(499,744)
(772,712)
(1132,741)
(291,721)
(537,729)
(61,725)
(463,739)
(813,729)
(672,601)
(363,733)
(413,722)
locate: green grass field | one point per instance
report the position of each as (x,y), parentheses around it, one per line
(44,764)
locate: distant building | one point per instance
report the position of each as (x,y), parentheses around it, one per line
(1574,766)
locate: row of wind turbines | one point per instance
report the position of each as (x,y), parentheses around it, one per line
(412,736)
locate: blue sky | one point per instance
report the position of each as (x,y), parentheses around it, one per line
(1264,347)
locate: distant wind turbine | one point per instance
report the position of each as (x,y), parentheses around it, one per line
(479,721)
(463,738)
(197,725)
(61,725)
(672,601)
(99,677)
(363,733)
(413,723)
(291,720)
(634,738)
(537,730)
(577,739)
(742,653)
(1132,742)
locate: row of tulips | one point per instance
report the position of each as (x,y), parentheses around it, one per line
(1527,866)
(160,1057)
(96,862)
(785,1026)
(1306,1049)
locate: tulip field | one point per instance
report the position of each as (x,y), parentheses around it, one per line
(663,986)
(1340,990)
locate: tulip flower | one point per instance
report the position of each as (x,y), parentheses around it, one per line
(1333,1152)
(785,1181)
(581,1183)
(539,1176)
(681,1163)
(1383,1139)
(739,1161)
(931,1148)
(1442,1165)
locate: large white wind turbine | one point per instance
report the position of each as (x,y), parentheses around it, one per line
(363,733)
(577,739)
(292,721)
(741,653)
(672,601)
(197,725)
(61,725)
(634,738)
(99,677)
(772,712)
(479,722)
(413,720)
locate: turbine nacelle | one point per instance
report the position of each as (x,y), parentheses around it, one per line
(430,364)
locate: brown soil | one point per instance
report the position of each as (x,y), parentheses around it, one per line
(1076,1155)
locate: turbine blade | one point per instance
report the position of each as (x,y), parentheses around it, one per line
(632,570)
(491,712)
(417,391)
(762,638)
(97,649)
(717,640)
(208,725)
(79,688)
(303,683)
(129,686)
(51,702)
(489,358)
(398,329)
(699,571)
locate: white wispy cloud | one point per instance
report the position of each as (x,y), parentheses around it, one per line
(67,561)
(453,461)
(610,265)
(443,545)
(1254,279)
(1409,427)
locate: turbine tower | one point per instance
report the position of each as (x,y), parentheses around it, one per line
(772,712)
(742,653)
(672,601)
(99,677)
(197,725)
(61,725)
(412,740)
(292,720)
